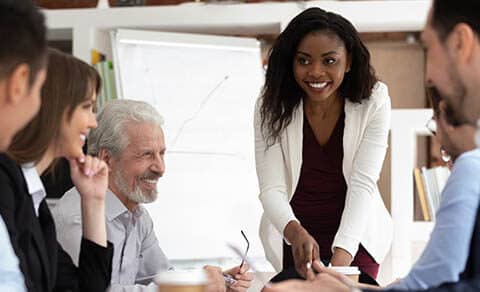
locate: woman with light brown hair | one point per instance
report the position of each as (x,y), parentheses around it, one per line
(58,130)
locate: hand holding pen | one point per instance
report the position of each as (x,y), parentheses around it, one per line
(238,276)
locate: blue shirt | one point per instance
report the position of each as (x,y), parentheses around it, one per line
(446,253)
(11,278)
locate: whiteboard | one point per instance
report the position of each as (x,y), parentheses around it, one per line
(205,87)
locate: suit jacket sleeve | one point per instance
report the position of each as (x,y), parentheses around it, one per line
(7,211)
(94,270)
(470,285)
(463,286)
(470,278)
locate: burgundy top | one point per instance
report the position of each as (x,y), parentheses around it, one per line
(319,199)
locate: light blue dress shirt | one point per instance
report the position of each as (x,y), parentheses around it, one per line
(11,278)
(446,253)
(137,255)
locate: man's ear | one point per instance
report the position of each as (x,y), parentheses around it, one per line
(17,84)
(462,40)
(104,155)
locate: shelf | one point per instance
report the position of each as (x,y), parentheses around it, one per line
(406,125)
(406,15)
(231,18)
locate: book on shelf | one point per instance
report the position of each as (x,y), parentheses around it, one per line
(430,183)
(108,92)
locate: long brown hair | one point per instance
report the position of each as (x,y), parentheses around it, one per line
(69,82)
(281,94)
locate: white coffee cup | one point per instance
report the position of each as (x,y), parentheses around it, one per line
(182,281)
(351,272)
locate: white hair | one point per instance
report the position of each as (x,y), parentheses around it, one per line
(112,118)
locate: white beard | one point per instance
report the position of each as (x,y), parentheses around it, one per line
(136,195)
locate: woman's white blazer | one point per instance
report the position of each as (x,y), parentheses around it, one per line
(365,220)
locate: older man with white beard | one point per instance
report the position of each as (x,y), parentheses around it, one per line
(129,138)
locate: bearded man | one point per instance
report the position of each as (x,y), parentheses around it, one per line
(129,138)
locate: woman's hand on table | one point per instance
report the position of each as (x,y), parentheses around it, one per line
(305,248)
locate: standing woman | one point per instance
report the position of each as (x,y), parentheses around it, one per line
(59,130)
(321,131)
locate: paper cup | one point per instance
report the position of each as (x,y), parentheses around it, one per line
(351,272)
(181,281)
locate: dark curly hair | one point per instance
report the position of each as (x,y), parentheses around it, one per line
(281,94)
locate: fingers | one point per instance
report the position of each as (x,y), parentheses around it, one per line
(241,285)
(244,279)
(310,275)
(316,253)
(233,271)
(304,255)
(212,270)
(244,268)
(317,265)
(216,282)
(299,260)
(329,271)
(315,258)
(330,283)
(339,276)
(89,167)
(289,286)
(99,167)
(240,273)
(308,254)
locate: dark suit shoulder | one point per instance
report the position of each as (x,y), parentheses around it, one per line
(10,171)
(11,185)
(13,188)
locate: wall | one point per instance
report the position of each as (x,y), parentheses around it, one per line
(399,64)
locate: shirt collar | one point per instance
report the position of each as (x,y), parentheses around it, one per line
(114,207)
(34,183)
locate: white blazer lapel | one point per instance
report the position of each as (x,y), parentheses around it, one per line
(294,143)
(351,135)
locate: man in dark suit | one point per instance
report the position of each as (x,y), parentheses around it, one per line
(23,50)
(22,73)
(451,40)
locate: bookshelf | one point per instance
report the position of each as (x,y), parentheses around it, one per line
(406,125)
(89,28)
